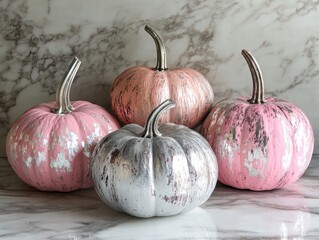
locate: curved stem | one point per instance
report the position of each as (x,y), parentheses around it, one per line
(63,104)
(258,82)
(68,90)
(151,128)
(161,64)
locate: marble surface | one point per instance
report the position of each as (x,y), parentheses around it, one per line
(38,38)
(288,213)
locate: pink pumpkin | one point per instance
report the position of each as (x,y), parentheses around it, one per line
(260,143)
(50,145)
(138,90)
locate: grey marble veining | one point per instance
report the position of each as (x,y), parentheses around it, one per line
(288,213)
(38,38)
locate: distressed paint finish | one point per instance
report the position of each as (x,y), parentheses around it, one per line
(138,90)
(52,152)
(50,145)
(154,176)
(259,146)
(260,143)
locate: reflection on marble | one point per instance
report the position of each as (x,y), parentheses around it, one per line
(39,37)
(288,213)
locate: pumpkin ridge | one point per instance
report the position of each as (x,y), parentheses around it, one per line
(59,120)
(131,148)
(204,95)
(189,81)
(242,168)
(256,125)
(262,140)
(283,113)
(195,143)
(198,80)
(173,114)
(285,177)
(47,165)
(152,174)
(240,142)
(215,114)
(180,145)
(16,164)
(125,75)
(170,94)
(301,117)
(125,148)
(147,87)
(79,123)
(244,111)
(222,113)
(179,198)
(152,83)
(117,102)
(223,119)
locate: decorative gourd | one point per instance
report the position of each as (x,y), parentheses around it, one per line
(138,90)
(50,145)
(260,143)
(154,171)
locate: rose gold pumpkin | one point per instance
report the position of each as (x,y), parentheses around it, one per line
(260,143)
(50,145)
(138,90)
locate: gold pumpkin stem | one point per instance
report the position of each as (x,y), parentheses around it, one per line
(63,104)
(151,127)
(161,64)
(258,82)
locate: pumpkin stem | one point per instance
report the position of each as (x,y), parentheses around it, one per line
(161,64)
(63,104)
(151,128)
(258,82)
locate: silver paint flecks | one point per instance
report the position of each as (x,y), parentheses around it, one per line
(159,176)
(61,163)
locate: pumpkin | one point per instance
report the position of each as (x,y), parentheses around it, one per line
(138,90)
(50,145)
(156,171)
(260,143)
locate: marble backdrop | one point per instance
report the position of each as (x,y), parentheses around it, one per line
(38,39)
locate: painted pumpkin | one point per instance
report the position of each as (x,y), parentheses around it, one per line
(154,171)
(50,145)
(138,90)
(260,143)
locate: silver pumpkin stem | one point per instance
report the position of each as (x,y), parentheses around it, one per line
(151,128)
(63,104)
(258,82)
(70,84)
(161,64)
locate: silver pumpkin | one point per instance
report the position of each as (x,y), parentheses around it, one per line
(156,171)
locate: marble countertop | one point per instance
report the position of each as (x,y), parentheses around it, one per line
(288,213)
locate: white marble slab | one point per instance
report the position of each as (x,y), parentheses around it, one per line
(288,213)
(38,38)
